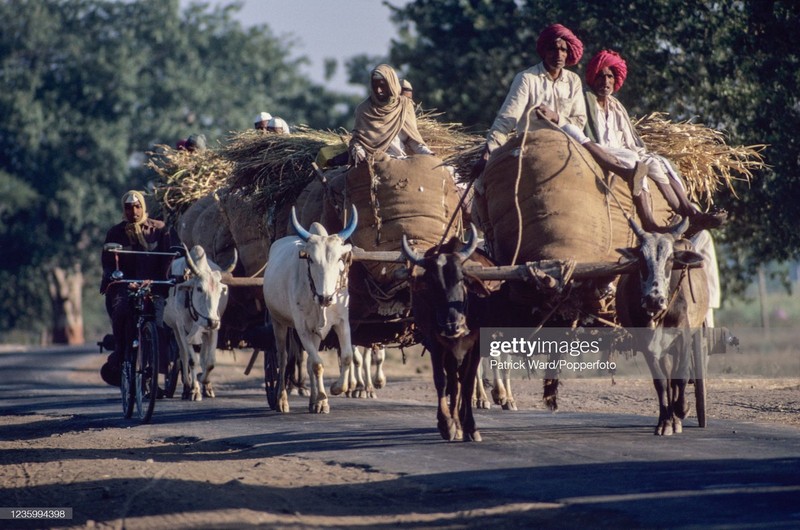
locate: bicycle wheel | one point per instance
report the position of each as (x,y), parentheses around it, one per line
(128,383)
(173,367)
(147,374)
(271,377)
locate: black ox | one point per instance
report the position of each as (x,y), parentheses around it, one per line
(448,306)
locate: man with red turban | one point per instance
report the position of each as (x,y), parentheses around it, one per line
(612,139)
(544,91)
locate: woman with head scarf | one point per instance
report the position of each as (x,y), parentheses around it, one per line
(385,122)
(137,231)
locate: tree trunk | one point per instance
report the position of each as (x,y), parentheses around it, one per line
(66,286)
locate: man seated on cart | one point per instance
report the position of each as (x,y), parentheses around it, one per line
(610,130)
(140,233)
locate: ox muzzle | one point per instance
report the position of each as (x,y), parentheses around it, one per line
(452,323)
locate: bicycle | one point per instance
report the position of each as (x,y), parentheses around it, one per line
(140,364)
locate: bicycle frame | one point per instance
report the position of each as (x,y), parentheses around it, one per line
(140,368)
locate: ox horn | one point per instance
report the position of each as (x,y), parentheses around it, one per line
(301,232)
(409,253)
(229,268)
(190,262)
(638,230)
(470,245)
(679,227)
(351,226)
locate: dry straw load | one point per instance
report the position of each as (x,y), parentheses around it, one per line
(273,169)
(701,154)
(186,176)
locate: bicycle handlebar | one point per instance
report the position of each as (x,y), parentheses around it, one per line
(114,250)
(150,282)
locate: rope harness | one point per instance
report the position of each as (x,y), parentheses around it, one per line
(188,302)
(341,282)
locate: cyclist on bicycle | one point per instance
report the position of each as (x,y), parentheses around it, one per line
(136,232)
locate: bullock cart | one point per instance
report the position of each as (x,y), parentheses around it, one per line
(552,185)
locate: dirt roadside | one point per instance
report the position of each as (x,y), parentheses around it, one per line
(104,490)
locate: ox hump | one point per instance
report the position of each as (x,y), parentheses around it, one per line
(317,229)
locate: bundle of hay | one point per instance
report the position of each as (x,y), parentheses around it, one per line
(274,168)
(450,142)
(701,154)
(186,177)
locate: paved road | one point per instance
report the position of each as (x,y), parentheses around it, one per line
(594,467)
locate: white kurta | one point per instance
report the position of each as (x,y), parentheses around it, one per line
(615,133)
(534,87)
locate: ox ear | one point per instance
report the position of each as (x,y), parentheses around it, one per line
(687,257)
(628,254)
(401,274)
(408,273)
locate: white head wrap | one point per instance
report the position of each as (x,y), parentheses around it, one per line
(279,125)
(262,116)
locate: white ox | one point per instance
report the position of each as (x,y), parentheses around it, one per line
(305,288)
(193,311)
(362,384)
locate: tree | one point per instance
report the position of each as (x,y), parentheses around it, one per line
(731,64)
(88,87)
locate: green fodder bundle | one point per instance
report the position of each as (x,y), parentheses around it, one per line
(186,176)
(701,154)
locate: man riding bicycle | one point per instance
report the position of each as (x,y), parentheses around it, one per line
(140,233)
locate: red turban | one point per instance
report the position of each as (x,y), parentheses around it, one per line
(556,31)
(607,59)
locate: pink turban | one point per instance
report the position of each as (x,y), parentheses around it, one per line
(556,31)
(607,59)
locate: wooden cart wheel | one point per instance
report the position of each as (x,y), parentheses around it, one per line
(699,362)
(271,373)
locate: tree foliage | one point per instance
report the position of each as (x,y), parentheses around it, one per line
(88,87)
(731,64)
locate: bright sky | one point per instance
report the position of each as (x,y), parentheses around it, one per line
(324,29)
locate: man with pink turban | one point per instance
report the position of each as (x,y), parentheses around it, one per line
(544,91)
(613,142)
